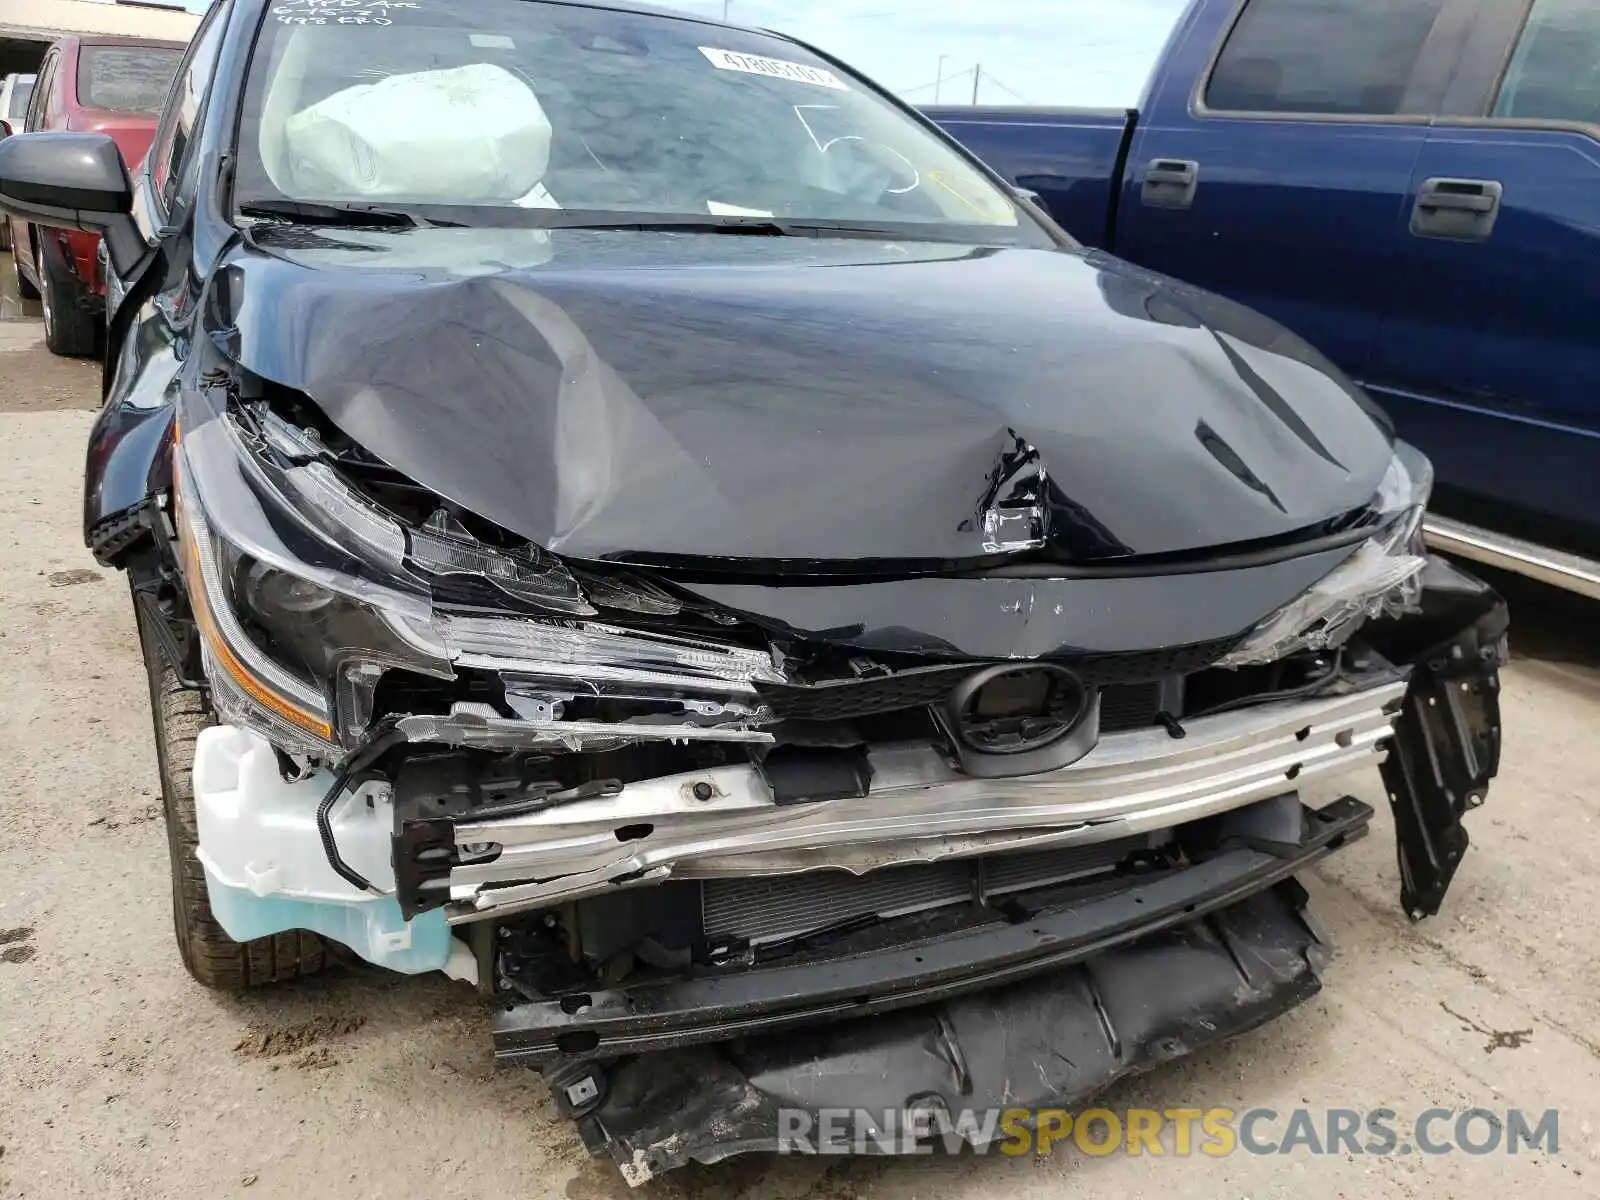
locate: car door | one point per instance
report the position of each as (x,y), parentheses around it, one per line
(151,315)
(1495,335)
(165,180)
(1275,155)
(21,241)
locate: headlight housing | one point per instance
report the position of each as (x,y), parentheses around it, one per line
(284,654)
(248,686)
(1379,579)
(305,593)
(290,462)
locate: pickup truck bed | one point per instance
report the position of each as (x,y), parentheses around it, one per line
(1072,158)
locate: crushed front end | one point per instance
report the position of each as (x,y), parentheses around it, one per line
(724,848)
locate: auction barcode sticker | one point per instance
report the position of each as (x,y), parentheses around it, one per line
(773,68)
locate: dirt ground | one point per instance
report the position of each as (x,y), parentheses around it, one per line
(119,1077)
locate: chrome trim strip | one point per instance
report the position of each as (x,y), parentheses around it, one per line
(1569,572)
(506,733)
(920,809)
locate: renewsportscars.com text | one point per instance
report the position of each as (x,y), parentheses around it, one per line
(1177,1132)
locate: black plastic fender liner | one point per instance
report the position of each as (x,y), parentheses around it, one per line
(1053,1040)
(1447,739)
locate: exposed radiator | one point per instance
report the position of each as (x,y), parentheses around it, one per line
(771,910)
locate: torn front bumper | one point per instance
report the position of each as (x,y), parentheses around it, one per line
(1051,1040)
(1047,1009)
(560,1031)
(1034,1004)
(1431,678)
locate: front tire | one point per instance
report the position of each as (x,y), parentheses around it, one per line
(209,954)
(68,330)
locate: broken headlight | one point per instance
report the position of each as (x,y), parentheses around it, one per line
(294,622)
(305,593)
(292,461)
(1379,579)
(284,654)
(248,685)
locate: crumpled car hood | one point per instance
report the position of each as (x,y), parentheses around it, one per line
(654,398)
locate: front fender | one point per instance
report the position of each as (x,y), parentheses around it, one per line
(129,461)
(129,456)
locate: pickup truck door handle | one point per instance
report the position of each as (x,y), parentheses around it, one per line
(1463,210)
(1169,183)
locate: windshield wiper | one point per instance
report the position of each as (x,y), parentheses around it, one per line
(739,226)
(748,226)
(305,212)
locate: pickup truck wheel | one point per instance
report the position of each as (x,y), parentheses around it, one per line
(24,289)
(209,954)
(68,330)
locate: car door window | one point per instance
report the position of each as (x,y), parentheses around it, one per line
(41,94)
(186,105)
(1555,72)
(1353,57)
(17,107)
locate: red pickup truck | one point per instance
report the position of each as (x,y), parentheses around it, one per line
(105,85)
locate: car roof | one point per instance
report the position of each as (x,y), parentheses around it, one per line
(74,40)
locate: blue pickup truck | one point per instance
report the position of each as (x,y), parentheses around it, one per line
(1411,185)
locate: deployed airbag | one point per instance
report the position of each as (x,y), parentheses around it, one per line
(468,135)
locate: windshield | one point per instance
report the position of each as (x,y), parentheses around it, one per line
(126,79)
(21,89)
(528,107)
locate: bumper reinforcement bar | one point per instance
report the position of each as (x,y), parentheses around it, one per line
(726,821)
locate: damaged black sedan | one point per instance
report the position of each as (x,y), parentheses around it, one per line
(622,511)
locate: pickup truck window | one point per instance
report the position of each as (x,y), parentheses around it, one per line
(1555,72)
(1322,56)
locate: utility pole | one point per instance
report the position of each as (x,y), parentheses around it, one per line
(977,81)
(726,4)
(939,81)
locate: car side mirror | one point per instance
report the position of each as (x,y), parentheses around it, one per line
(1029,195)
(72,181)
(5,128)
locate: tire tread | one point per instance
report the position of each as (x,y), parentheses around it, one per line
(209,954)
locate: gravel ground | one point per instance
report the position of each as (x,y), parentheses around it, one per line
(121,1078)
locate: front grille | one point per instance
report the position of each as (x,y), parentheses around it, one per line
(1125,706)
(846,699)
(762,911)
(1122,705)
(1130,686)
(1143,665)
